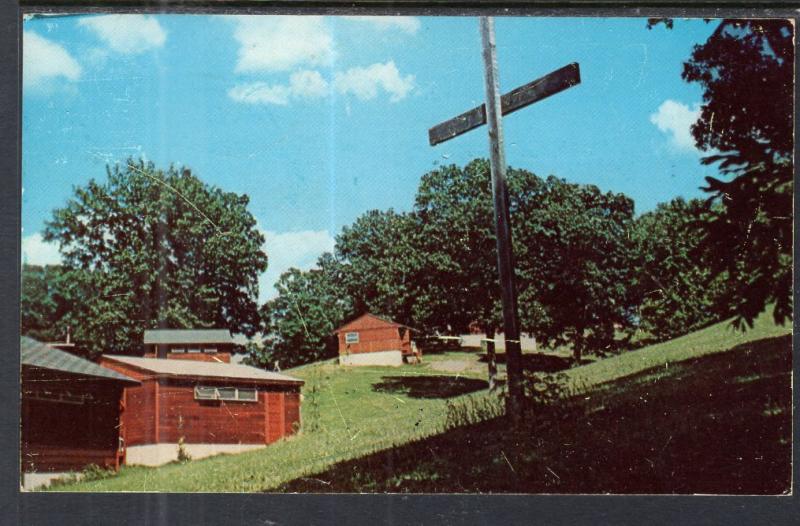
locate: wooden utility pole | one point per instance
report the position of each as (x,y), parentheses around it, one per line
(491,113)
(502,220)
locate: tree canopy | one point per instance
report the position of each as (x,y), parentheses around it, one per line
(310,305)
(746,71)
(677,292)
(45,302)
(435,268)
(575,260)
(150,248)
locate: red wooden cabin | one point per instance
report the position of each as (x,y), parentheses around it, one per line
(209,407)
(70,413)
(372,340)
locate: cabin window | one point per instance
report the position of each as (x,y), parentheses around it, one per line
(194,351)
(179,350)
(235,394)
(210,350)
(247,395)
(351,337)
(64,397)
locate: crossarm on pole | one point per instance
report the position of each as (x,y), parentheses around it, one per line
(523,96)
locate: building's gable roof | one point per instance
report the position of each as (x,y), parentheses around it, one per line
(368,321)
(36,354)
(187,336)
(192,368)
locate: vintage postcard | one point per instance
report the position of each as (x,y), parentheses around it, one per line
(326,253)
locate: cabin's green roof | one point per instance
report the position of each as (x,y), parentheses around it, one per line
(36,354)
(187,336)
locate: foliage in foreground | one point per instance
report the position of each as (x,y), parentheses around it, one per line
(746,71)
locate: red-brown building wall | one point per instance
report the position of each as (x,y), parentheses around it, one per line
(164,410)
(208,421)
(139,414)
(374,335)
(58,436)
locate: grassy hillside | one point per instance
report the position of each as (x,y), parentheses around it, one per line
(716,424)
(688,408)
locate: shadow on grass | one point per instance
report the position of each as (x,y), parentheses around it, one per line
(538,362)
(719,424)
(438,386)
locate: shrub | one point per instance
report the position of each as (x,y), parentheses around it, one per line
(183,454)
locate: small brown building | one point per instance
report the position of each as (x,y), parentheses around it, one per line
(209,345)
(70,413)
(372,340)
(208,406)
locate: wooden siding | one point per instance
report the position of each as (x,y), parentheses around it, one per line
(139,416)
(49,458)
(207,421)
(164,410)
(291,403)
(367,321)
(375,339)
(59,436)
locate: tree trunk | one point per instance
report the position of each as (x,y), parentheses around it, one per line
(491,358)
(577,346)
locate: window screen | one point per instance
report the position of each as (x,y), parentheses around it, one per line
(235,394)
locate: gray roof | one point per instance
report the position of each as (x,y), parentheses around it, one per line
(187,336)
(205,369)
(36,354)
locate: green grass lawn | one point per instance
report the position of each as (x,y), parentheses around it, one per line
(385,429)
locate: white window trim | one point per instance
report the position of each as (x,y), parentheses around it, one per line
(238,391)
(348,335)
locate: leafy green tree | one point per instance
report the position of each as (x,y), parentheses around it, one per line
(44,302)
(677,291)
(381,251)
(459,280)
(573,255)
(575,260)
(310,305)
(152,248)
(746,71)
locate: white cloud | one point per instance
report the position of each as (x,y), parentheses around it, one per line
(298,249)
(308,84)
(260,93)
(36,251)
(44,60)
(304,84)
(407,24)
(127,34)
(364,83)
(676,119)
(281,43)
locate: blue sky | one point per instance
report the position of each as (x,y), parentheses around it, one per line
(319,119)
